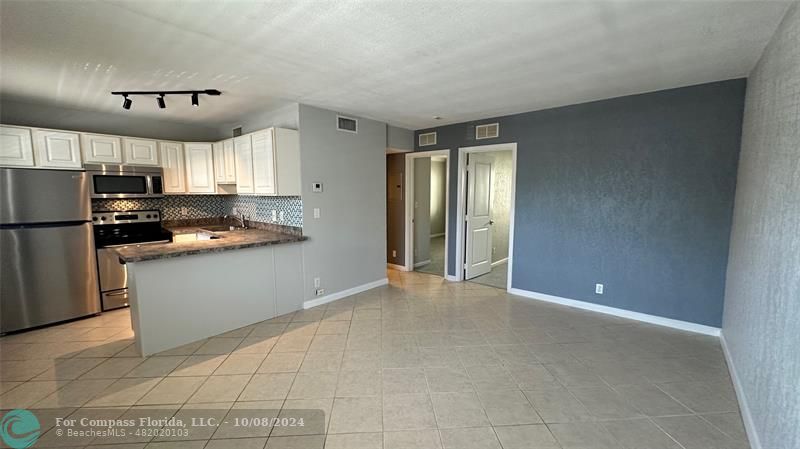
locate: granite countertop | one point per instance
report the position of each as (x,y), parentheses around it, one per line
(231,240)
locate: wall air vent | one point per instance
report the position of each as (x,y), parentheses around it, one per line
(346,124)
(427,139)
(488,131)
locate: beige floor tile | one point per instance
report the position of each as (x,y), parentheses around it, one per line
(526,437)
(692,432)
(29,393)
(491,377)
(238,443)
(256,345)
(176,445)
(458,410)
(313,386)
(221,388)
(408,411)
(651,401)
(700,397)
(639,434)
(201,411)
(124,392)
(472,438)
(112,368)
(361,360)
(444,380)
(267,329)
(558,406)
(314,412)
(172,390)
(333,327)
(355,441)
(293,343)
(404,380)
(7,386)
(296,442)
(69,369)
(261,410)
(156,366)
(604,403)
(240,364)
(356,415)
(355,383)
(282,362)
(533,377)
(321,362)
(75,393)
(729,423)
(273,386)
(412,439)
(328,343)
(508,407)
(198,365)
(218,345)
(187,349)
(583,435)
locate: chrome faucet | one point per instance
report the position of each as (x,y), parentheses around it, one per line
(239,217)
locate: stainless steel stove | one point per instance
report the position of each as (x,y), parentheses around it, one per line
(115,229)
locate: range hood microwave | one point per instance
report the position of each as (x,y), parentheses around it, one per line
(125,181)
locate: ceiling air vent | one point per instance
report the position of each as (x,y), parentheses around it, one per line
(427,139)
(237,131)
(488,131)
(346,124)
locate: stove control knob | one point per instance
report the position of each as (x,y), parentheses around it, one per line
(94,218)
(148,216)
(103,218)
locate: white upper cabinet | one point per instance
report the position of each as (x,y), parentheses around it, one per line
(287,161)
(172,161)
(140,151)
(264,162)
(219,163)
(243,149)
(200,168)
(57,149)
(99,149)
(16,147)
(229,156)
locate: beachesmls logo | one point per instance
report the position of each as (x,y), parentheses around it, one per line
(20,429)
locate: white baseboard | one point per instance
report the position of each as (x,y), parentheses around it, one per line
(744,409)
(393,266)
(437,235)
(500,262)
(344,293)
(421,263)
(652,319)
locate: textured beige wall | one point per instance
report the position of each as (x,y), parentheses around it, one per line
(761,321)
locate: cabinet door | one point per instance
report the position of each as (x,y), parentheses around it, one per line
(15,146)
(140,151)
(101,149)
(200,168)
(264,163)
(219,163)
(56,149)
(174,168)
(230,161)
(287,162)
(243,148)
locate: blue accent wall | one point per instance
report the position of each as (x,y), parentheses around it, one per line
(633,192)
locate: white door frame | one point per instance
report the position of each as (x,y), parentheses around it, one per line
(460,205)
(409,203)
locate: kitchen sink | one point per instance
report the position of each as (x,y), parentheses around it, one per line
(202,235)
(221,228)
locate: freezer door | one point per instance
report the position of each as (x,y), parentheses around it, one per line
(47,274)
(43,196)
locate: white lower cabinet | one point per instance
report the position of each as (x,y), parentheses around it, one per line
(139,151)
(243,148)
(200,168)
(16,146)
(173,163)
(57,149)
(99,149)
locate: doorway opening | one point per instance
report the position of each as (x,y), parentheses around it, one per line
(484,237)
(427,175)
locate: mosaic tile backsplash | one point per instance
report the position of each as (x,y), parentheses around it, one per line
(176,207)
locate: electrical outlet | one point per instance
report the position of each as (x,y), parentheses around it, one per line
(235,211)
(316,212)
(320,291)
(394,253)
(184,211)
(274,215)
(598,288)
(316,283)
(280,216)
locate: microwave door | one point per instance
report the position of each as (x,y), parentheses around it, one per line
(119,186)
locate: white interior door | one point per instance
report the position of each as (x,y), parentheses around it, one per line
(479,215)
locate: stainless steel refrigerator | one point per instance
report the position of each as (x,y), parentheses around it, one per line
(48,268)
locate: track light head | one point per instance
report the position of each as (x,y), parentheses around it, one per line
(195,100)
(127,102)
(161,99)
(161,103)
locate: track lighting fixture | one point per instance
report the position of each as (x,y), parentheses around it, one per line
(160,100)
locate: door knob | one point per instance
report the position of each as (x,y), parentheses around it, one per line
(491,222)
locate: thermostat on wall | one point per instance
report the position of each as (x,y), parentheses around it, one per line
(316,187)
